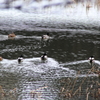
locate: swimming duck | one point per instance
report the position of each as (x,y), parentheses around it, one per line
(45,37)
(1,58)
(11,36)
(20,59)
(91,60)
(44,57)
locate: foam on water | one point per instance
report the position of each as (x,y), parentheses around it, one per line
(32,64)
(74,63)
(5,37)
(97,61)
(79,62)
(35,65)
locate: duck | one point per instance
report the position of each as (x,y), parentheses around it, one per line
(1,58)
(44,57)
(91,60)
(12,35)
(45,37)
(20,59)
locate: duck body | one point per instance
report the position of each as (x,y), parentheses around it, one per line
(45,37)
(11,36)
(44,57)
(1,58)
(91,60)
(20,59)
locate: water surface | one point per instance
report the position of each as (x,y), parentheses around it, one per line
(73,39)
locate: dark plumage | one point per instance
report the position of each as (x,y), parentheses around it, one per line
(91,59)
(20,59)
(44,57)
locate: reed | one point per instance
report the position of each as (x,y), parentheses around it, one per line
(97,4)
(36,94)
(8,95)
(86,87)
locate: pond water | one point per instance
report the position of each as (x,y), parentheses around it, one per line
(73,39)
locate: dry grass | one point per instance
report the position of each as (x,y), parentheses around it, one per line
(87,86)
(36,94)
(8,95)
(12,94)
